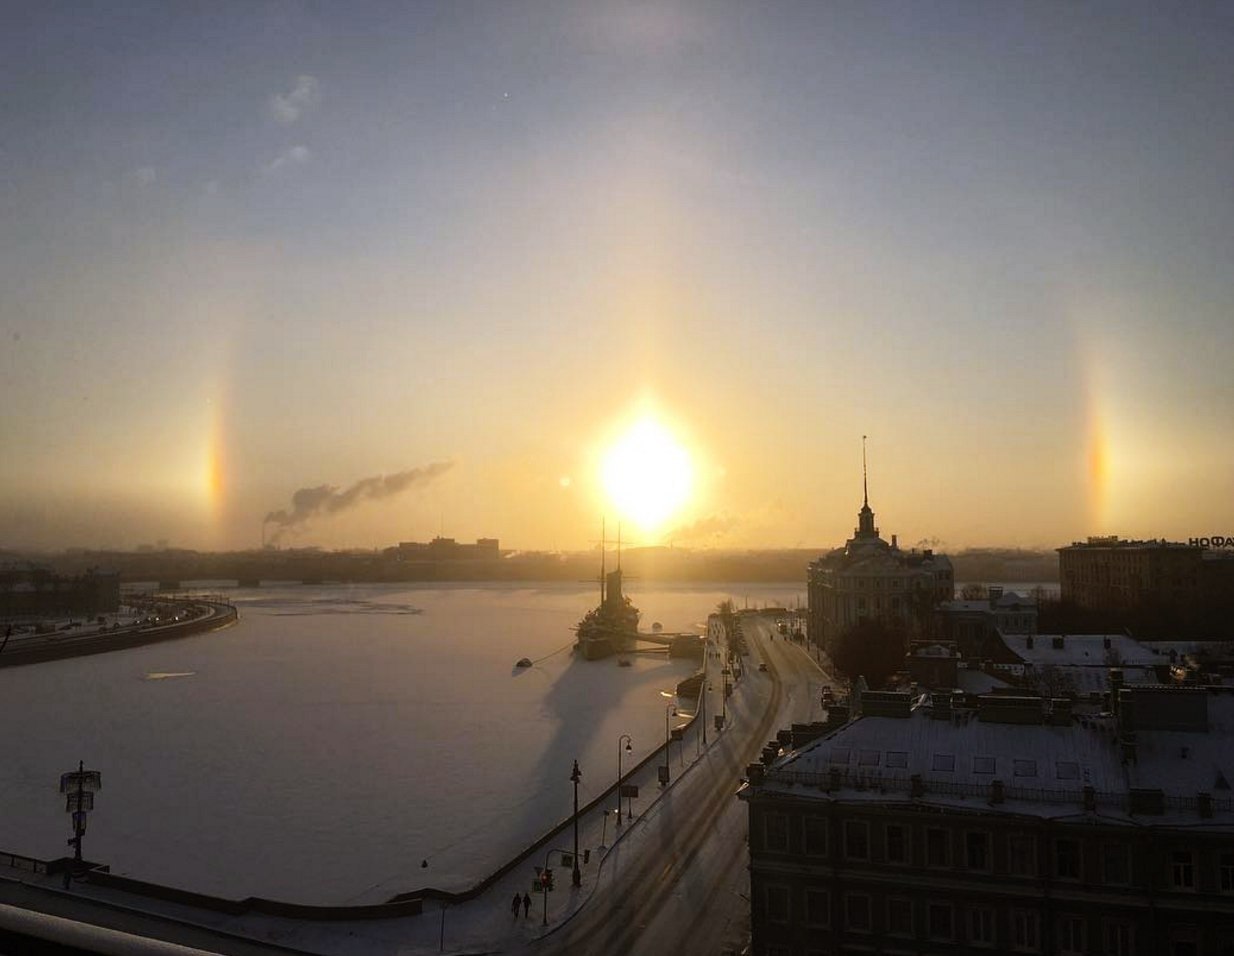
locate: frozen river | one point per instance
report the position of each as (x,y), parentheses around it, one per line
(322,748)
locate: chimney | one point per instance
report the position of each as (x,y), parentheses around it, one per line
(996,594)
(894,545)
(997,794)
(1105,642)
(1204,803)
(1029,642)
(1090,799)
(1116,685)
(916,786)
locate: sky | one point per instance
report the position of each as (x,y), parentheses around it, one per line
(418,268)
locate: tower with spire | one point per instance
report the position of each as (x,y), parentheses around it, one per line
(869,578)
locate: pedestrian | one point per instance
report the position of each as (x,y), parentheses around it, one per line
(514,905)
(526,905)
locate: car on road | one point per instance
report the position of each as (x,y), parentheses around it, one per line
(762,665)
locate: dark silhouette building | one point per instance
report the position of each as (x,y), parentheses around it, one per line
(1010,826)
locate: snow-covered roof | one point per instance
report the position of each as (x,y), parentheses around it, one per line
(1083,679)
(1044,766)
(978,682)
(1080,650)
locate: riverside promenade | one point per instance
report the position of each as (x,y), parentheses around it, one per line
(189,616)
(427,921)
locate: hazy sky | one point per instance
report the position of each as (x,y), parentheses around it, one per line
(248,249)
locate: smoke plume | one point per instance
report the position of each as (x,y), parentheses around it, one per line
(309,503)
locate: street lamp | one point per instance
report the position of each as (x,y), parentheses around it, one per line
(628,748)
(79,787)
(575,776)
(670,710)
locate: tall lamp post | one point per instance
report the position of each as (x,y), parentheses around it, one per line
(575,774)
(79,787)
(670,710)
(629,741)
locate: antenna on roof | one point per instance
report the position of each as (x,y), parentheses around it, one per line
(865,490)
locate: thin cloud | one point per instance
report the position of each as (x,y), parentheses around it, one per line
(288,107)
(296,156)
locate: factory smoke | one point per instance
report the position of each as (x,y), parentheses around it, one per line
(309,503)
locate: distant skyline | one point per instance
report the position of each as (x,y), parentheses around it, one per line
(429,264)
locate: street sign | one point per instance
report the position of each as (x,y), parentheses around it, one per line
(78,801)
(677,733)
(662,773)
(719,721)
(630,790)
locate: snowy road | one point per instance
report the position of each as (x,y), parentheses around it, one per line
(680,884)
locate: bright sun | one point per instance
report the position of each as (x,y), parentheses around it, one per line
(647,474)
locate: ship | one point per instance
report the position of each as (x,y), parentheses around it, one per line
(612,626)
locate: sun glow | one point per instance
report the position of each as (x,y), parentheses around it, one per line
(647,474)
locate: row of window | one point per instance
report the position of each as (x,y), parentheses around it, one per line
(976,852)
(947,763)
(943,921)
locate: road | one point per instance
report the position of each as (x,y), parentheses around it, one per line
(683,886)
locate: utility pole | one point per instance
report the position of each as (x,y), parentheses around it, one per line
(79,787)
(575,775)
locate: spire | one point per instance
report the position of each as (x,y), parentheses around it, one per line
(865,517)
(865,489)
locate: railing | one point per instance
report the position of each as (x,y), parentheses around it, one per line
(19,862)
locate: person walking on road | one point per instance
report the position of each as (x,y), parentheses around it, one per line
(514,905)
(526,906)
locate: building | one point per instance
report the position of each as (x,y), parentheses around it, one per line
(37,592)
(1069,664)
(447,549)
(1153,586)
(1013,825)
(870,578)
(973,625)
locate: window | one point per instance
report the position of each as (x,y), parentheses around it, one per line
(818,907)
(1185,941)
(1225,873)
(1182,870)
(857,912)
(1021,855)
(1072,935)
(856,840)
(940,921)
(944,762)
(1066,770)
(1025,931)
(938,847)
(899,917)
(981,926)
(897,843)
(1024,768)
(868,758)
(815,833)
(1118,938)
(983,764)
(777,902)
(977,851)
(1115,864)
(897,758)
(775,832)
(1067,859)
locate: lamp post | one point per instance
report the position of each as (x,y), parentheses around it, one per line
(575,774)
(629,742)
(79,787)
(670,710)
